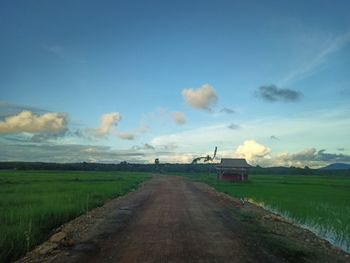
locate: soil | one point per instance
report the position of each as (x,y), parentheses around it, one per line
(171,219)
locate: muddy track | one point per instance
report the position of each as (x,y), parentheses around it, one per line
(171,219)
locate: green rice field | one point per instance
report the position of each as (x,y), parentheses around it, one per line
(32,203)
(319,203)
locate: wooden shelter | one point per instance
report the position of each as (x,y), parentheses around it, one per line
(235,170)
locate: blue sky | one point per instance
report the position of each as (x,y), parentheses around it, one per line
(281,66)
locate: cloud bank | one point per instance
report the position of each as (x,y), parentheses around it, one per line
(202,98)
(256,153)
(271,93)
(68,153)
(310,157)
(26,121)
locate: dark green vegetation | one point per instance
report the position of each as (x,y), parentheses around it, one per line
(320,203)
(32,203)
(279,244)
(165,168)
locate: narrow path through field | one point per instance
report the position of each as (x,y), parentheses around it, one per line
(181,223)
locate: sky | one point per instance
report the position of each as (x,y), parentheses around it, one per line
(111,81)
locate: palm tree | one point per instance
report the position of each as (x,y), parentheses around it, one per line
(205,158)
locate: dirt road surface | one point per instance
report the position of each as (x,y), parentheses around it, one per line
(170,219)
(178,223)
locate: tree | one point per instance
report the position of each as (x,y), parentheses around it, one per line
(156,161)
(205,158)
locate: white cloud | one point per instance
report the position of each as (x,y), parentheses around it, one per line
(178,117)
(252,151)
(108,120)
(26,121)
(202,98)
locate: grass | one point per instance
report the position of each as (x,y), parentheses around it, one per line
(293,252)
(32,203)
(320,203)
(278,245)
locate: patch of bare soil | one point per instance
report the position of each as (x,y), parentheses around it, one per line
(170,219)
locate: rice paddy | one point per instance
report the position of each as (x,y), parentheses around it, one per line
(32,203)
(319,203)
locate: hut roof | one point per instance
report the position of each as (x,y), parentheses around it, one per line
(230,162)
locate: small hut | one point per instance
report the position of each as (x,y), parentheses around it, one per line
(235,170)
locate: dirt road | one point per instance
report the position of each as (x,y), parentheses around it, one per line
(171,219)
(179,223)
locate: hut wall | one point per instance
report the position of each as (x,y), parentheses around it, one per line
(233,176)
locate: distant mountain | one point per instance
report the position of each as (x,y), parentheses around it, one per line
(336,166)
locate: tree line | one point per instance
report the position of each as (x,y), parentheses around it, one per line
(161,168)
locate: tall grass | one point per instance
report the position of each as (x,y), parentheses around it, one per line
(32,203)
(319,203)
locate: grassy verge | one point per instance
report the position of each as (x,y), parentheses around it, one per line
(32,203)
(277,244)
(320,203)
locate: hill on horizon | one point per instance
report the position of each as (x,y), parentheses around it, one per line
(336,166)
